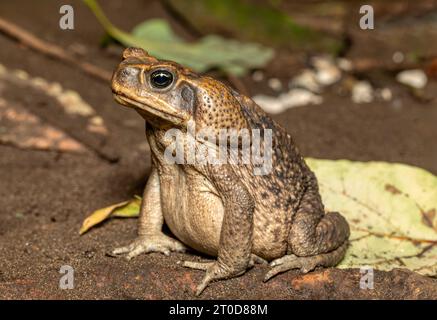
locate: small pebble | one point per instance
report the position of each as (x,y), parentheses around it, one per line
(327,72)
(385,94)
(300,97)
(344,64)
(269,104)
(275,84)
(306,80)
(362,92)
(414,78)
(89,253)
(54,89)
(21,74)
(39,83)
(73,103)
(258,76)
(293,98)
(398,57)
(96,120)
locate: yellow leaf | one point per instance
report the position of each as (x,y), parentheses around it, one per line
(391,209)
(127,209)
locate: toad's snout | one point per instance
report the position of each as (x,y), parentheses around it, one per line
(125,78)
(128,75)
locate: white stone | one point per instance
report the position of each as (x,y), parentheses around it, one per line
(362,92)
(293,98)
(386,94)
(327,72)
(344,64)
(299,97)
(307,80)
(269,104)
(21,74)
(415,78)
(275,84)
(258,76)
(398,57)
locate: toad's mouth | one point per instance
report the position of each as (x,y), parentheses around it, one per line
(148,109)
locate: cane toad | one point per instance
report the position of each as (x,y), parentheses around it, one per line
(226,210)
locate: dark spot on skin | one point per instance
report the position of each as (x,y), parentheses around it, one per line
(277,204)
(277,234)
(277,151)
(188,98)
(275,190)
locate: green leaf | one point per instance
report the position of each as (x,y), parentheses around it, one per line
(156,37)
(155,30)
(391,209)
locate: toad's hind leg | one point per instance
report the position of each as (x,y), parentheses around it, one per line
(306,264)
(315,239)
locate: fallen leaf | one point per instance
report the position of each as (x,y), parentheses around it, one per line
(389,207)
(158,39)
(125,209)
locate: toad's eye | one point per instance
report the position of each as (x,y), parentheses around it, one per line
(161,79)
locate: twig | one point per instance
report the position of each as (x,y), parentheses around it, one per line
(51,50)
(363,65)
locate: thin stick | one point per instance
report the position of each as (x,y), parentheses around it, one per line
(51,50)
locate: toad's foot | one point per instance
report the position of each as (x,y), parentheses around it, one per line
(254,259)
(150,243)
(306,264)
(216,271)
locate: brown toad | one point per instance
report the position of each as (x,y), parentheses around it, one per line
(225,209)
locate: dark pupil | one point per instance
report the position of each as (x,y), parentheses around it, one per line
(161,79)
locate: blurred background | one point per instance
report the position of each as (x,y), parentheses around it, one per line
(66,148)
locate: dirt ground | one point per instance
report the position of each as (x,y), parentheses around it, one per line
(45,195)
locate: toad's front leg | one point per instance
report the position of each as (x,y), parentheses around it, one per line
(150,236)
(234,253)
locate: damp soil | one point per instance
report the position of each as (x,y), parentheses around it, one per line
(45,195)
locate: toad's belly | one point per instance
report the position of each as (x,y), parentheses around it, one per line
(192,210)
